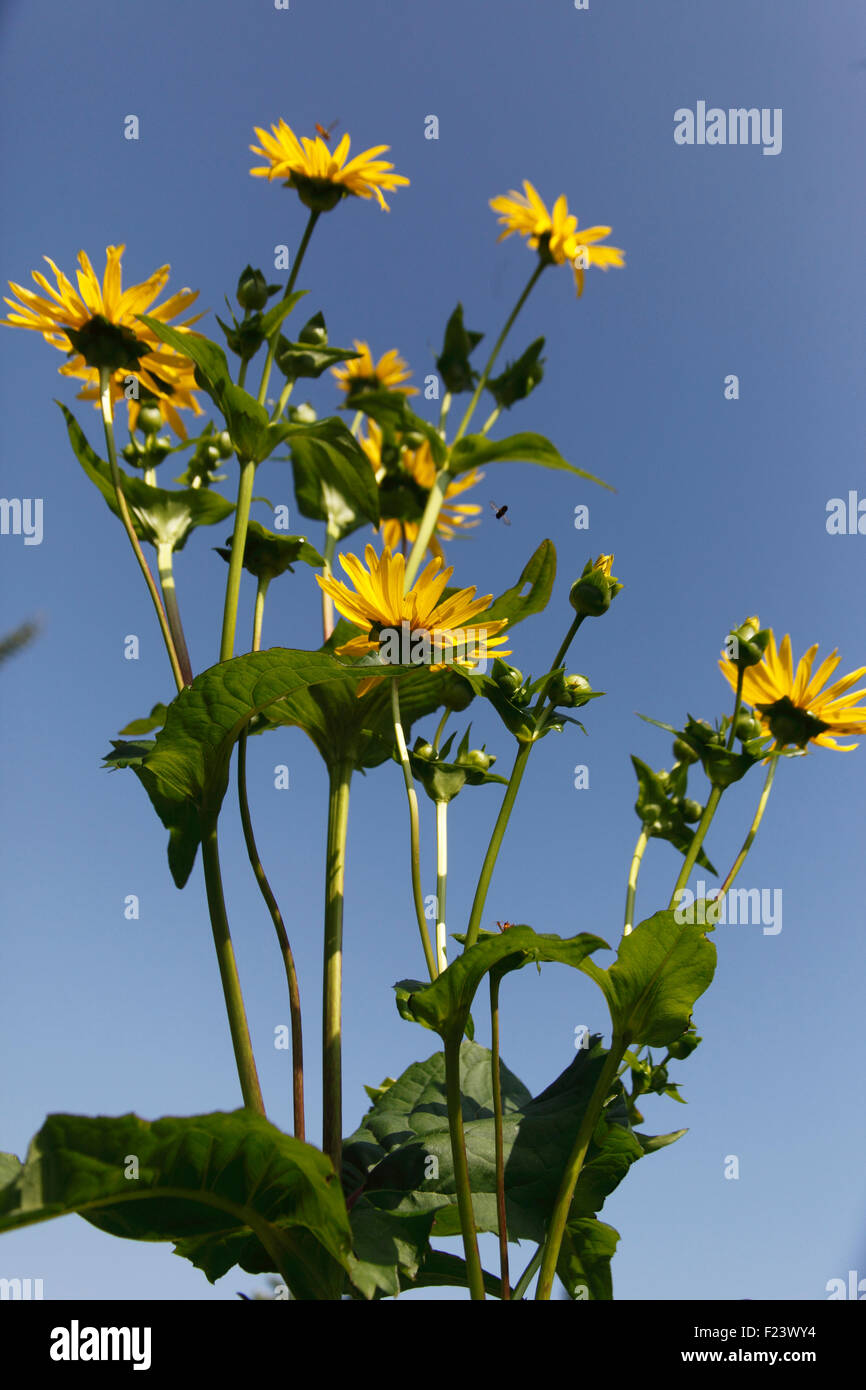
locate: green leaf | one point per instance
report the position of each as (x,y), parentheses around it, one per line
(391,410)
(267,555)
(273,319)
(475,451)
(453,361)
(587,1249)
(213,368)
(402,1135)
(185,773)
(387,1249)
(310,355)
(333,477)
(154,720)
(519,378)
(661,969)
(159,515)
(221,1186)
(537,577)
(444,1005)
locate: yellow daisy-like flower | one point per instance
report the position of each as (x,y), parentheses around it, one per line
(321,175)
(62,310)
(361,374)
(420,466)
(451,628)
(794,707)
(555,235)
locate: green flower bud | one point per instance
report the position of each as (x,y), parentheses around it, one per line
(302,414)
(746,644)
(476,757)
(508,678)
(570,691)
(591,594)
(457,694)
(681,1047)
(252,290)
(314,333)
(424,750)
(131,452)
(224,445)
(149,418)
(683,752)
(692,810)
(747,727)
(651,812)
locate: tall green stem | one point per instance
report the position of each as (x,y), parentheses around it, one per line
(474,1271)
(441,882)
(470,409)
(496,1077)
(747,843)
(164,566)
(243,1048)
(290,285)
(694,850)
(496,843)
(236,559)
(327,570)
(332,1044)
(559,1218)
(108,424)
(442,482)
(642,840)
(414,831)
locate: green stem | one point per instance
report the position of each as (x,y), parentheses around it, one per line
(164,553)
(694,850)
(108,424)
(461,1168)
(496,842)
(290,285)
(443,478)
(414,831)
(491,420)
(271,902)
(332,1074)
(243,1048)
(642,841)
(526,1277)
(737,702)
(283,401)
(559,1218)
(753,830)
(440,728)
(511,791)
(497,1122)
(441,882)
(236,559)
(470,409)
(443,413)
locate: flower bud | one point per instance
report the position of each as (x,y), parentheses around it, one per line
(508,678)
(746,644)
(457,694)
(683,752)
(747,727)
(570,691)
(591,594)
(424,750)
(476,757)
(149,418)
(224,445)
(252,290)
(692,810)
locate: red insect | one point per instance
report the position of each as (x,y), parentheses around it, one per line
(325,132)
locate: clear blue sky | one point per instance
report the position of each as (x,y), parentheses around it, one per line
(736,263)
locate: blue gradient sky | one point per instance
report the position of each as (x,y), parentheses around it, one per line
(736,263)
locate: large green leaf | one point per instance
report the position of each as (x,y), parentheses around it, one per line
(444,1005)
(387,1249)
(400,1158)
(159,515)
(185,773)
(587,1249)
(661,968)
(475,451)
(333,477)
(211,1183)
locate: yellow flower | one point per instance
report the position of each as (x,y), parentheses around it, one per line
(555,235)
(63,310)
(796,708)
(321,175)
(360,374)
(421,468)
(447,629)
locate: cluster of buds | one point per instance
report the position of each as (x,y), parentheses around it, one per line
(745,645)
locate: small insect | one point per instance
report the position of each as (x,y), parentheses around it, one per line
(325,132)
(503,926)
(500,512)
